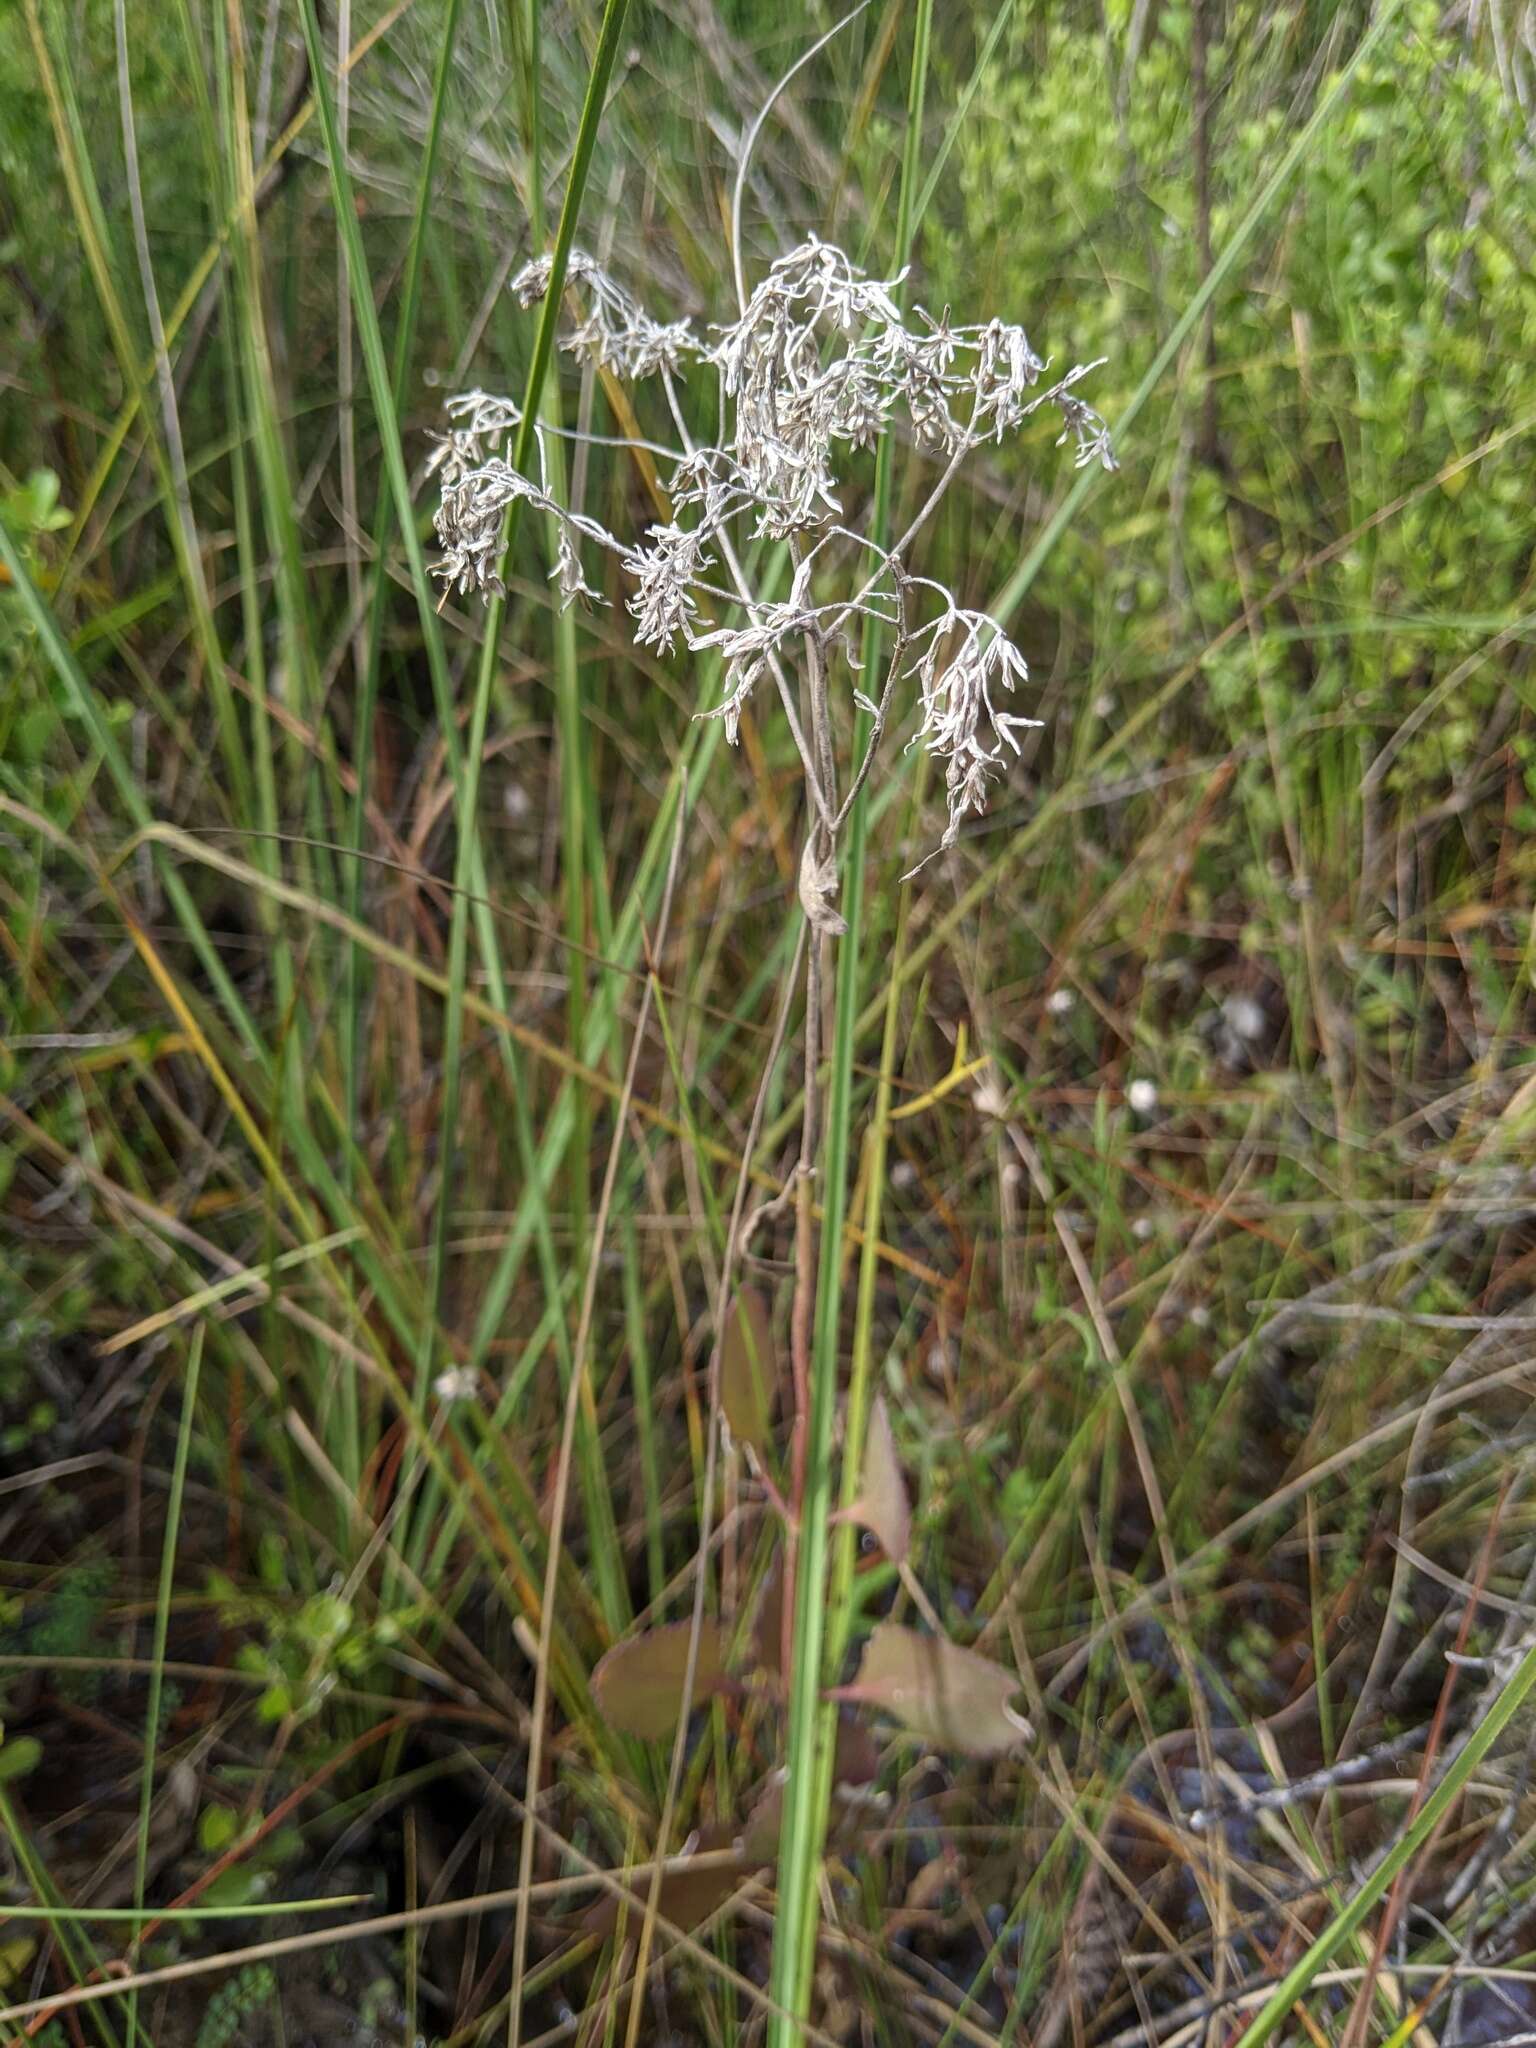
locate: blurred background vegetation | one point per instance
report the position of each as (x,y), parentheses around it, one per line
(1208,1222)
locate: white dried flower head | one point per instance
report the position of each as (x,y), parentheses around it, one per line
(792,402)
(919,370)
(1142,1096)
(818,891)
(616,331)
(819,361)
(962,725)
(476,490)
(745,651)
(662,603)
(458,1383)
(482,422)
(469,517)
(531,283)
(1089,431)
(1006,369)
(567,572)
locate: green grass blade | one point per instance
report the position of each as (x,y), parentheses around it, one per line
(543,349)
(79,700)
(362,730)
(162,1631)
(1295,1982)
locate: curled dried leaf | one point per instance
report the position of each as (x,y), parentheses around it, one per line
(882,1506)
(818,892)
(749,1371)
(639,1683)
(950,1697)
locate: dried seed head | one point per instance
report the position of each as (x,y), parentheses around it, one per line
(663,604)
(821,360)
(961,723)
(567,573)
(617,332)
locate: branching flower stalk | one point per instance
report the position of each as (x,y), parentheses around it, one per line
(820,363)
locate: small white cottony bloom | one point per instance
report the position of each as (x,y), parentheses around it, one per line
(991,1097)
(458,1383)
(1243,1017)
(1142,1096)
(821,361)
(1060,1001)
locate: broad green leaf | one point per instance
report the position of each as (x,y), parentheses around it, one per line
(14,1958)
(768,1632)
(760,1835)
(856,1756)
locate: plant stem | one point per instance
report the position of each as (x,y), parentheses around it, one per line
(810,1723)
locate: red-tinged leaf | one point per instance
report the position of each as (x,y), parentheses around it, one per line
(687,1896)
(950,1697)
(882,1506)
(749,1371)
(639,1684)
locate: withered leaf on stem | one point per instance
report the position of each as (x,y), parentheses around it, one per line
(882,1505)
(950,1697)
(749,1371)
(856,1758)
(818,892)
(687,1896)
(639,1683)
(760,1833)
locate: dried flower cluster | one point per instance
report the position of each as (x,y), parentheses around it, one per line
(820,360)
